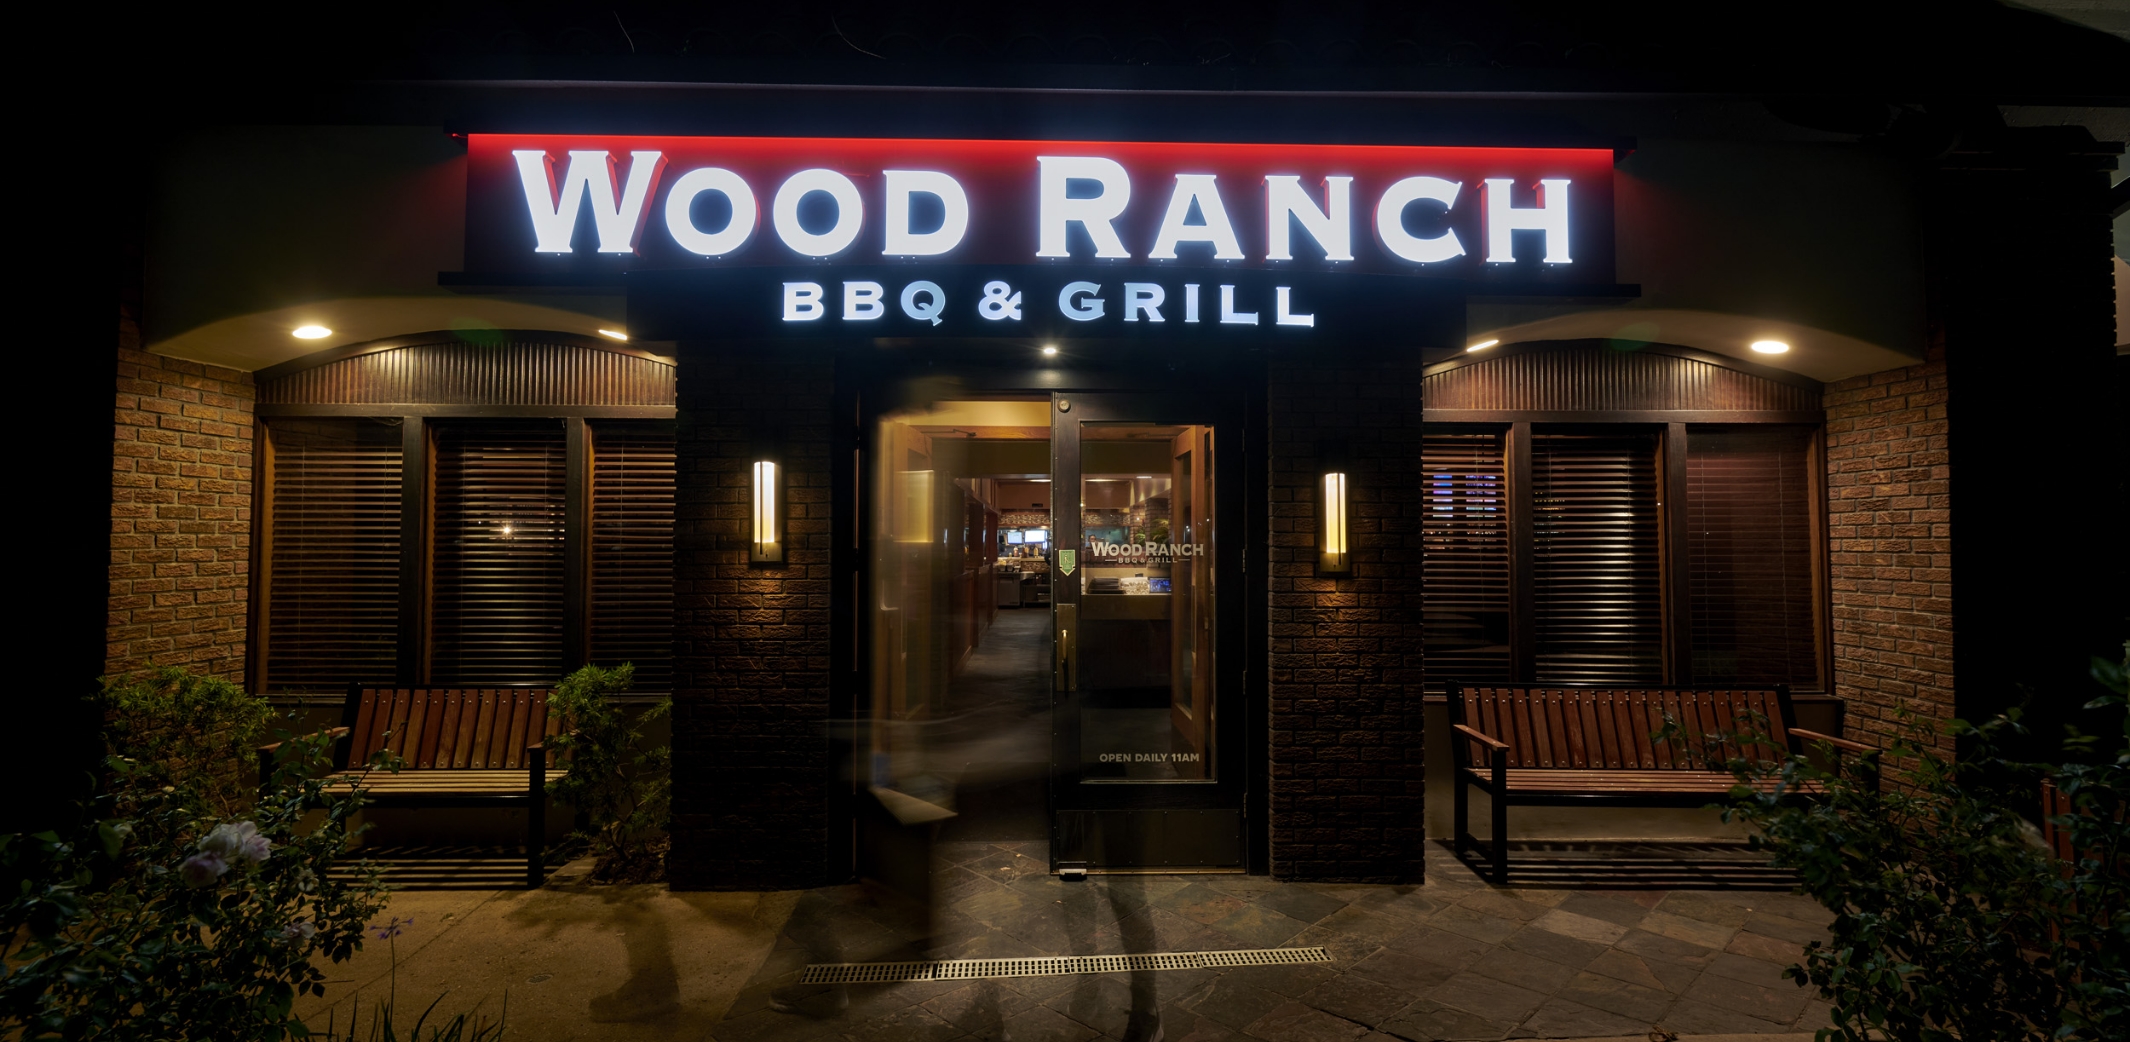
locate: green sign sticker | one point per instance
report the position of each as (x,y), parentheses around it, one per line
(1066,560)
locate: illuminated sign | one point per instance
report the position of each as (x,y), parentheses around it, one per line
(899,237)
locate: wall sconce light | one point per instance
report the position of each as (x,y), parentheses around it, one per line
(1334,556)
(768,547)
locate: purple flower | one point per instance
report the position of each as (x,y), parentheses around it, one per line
(237,841)
(202,870)
(392,929)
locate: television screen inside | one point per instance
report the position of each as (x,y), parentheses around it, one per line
(1013,535)
(1039,535)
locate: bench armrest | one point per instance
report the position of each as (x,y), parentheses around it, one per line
(1481,737)
(1843,744)
(330,732)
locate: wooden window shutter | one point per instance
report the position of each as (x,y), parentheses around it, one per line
(1749,555)
(632,550)
(333,585)
(1465,563)
(496,606)
(1597,579)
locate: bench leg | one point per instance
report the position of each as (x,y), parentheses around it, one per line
(1461,820)
(536,840)
(1499,804)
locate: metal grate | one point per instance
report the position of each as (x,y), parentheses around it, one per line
(1051,965)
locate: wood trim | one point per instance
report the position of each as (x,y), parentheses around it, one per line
(436,337)
(536,412)
(415,487)
(1622,416)
(1678,618)
(259,634)
(1523,613)
(1822,555)
(576,543)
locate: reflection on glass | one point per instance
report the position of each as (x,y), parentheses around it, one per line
(1146,603)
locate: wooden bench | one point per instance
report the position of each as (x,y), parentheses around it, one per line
(459,747)
(1590,746)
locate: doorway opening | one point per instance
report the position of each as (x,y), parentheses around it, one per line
(961,646)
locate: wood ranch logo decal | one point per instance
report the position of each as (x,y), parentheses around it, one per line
(1106,549)
(899,237)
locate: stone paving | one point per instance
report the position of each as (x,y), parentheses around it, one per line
(1456,958)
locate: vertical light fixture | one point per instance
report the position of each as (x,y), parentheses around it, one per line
(768,515)
(1334,552)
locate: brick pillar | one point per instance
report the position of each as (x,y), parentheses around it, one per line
(181,490)
(1889,530)
(751,644)
(1347,770)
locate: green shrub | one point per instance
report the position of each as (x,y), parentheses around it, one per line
(1952,920)
(621,786)
(183,909)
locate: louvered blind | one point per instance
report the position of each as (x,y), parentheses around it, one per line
(1465,563)
(632,551)
(1598,601)
(496,602)
(333,581)
(1749,555)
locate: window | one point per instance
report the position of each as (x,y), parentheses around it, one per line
(1749,523)
(632,550)
(476,588)
(332,530)
(1567,566)
(497,602)
(1597,596)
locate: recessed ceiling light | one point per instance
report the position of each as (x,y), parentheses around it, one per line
(613,334)
(1770,347)
(310,332)
(1146,477)
(1050,349)
(1482,345)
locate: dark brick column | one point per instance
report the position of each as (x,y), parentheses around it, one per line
(751,644)
(2021,293)
(1347,777)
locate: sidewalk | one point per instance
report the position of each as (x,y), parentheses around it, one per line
(1454,959)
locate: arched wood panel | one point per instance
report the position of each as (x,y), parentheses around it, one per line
(524,370)
(1590,380)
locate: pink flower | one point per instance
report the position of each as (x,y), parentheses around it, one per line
(202,870)
(300,929)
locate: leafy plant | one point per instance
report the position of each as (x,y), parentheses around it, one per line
(621,786)
(176,913)
(178,724)
(1952,920)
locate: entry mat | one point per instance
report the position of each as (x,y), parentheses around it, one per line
(1051,965)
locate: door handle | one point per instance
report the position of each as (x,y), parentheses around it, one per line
(1067,653)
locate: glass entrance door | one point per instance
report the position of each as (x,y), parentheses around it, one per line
(1148,764)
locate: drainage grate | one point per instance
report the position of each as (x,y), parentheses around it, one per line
(1051,965)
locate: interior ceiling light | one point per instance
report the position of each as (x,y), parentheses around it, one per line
(614,335)
(310,332)
(1482,345)
(1050,349)
(1146,477)
(1770,347)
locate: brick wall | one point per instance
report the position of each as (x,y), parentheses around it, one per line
(751,645)
(1889,516)
(181,488)
(1347,778)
